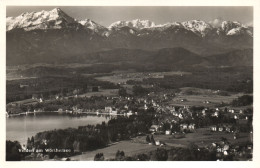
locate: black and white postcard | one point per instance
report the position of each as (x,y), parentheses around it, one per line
(129,82)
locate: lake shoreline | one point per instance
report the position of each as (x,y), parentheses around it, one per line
(22,126)
(64,112)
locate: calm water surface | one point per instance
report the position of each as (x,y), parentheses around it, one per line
(19,128)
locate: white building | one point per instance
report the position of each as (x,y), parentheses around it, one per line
(108,109)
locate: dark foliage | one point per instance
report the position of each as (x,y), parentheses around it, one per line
(122,92)
(152,140)
(99,157)
(12,151)
(161,154)
(139,90)
(49,86)
(92,137)
(120,155)
(209,78)
(243,101)
(148,140)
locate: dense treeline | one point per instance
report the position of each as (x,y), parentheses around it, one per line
(191,153)
(12,151)
(138,90)
(49,86)
(227,79)
(234,79)
(91,137)
(84,103)
(243,101)
(94,102)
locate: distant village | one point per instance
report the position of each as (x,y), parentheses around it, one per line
(176,121)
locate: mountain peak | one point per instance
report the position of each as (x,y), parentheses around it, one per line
(198,27)
(58,19)
(90,24)
(57,10)
(232,28)
(228,25)
(55,19)
(136,24)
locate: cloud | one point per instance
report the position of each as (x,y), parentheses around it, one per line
(216,22)
(250,23)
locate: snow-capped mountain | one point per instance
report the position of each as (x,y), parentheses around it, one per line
(54,19)
(226,26)
(136,24)
(145,24)
(235,28)
(199,27)
(58,35)
(163,27)
(57,19)
(90,24)
(239,31)
(167,25)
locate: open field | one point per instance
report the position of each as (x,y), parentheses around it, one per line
(101,92)
(109,152)
(115,79)
(122,77)
(198,100)
(202,137)
(13,77)
(26,102)
(199,97)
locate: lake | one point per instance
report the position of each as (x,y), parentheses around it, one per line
(19,128)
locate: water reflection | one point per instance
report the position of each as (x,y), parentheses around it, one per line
(21,127)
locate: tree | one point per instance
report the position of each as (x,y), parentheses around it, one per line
(139,90)
(122,92)
(95,89)
(12,151)
(176,128)
(225,110)
(142,157)
(148,140)
(161,154)
(120,155)
(193,149)
(192,146)
(76,146)
(99,157)
(152,140)
(32,141)
(223,139)
(166,126)
(243,101)
(29,144)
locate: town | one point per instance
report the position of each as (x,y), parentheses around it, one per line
(175,119)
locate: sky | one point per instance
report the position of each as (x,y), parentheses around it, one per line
(105,15)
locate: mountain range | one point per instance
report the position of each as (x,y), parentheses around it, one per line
(51,36)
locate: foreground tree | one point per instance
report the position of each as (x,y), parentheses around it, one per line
(148,140)
(120,155)
(152,140)
(12,151)
(161,154)
(99,157)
